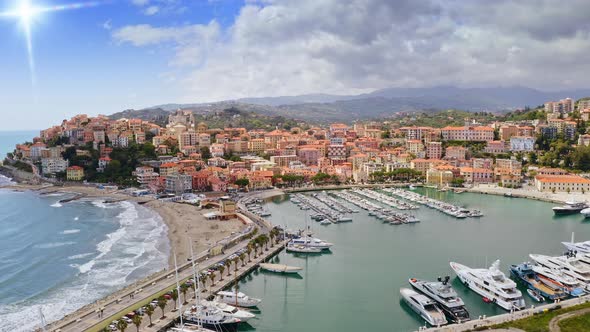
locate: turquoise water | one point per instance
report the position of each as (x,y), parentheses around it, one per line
(356,287)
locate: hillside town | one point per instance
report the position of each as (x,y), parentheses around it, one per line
(185,156)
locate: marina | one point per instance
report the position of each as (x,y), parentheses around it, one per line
(340,272)
(444,207)
(375,210)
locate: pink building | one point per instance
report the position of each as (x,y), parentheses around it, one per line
(309,156)
(477,175)
(434,150)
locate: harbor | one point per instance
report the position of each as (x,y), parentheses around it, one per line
(388,269)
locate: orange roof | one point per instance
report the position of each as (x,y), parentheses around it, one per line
(75,168)
(474,169)
(562,179)
(168,165)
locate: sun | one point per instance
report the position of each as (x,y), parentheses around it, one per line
(26,11)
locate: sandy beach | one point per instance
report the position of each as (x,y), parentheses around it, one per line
(184,221)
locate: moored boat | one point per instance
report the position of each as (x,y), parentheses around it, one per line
(524,273)
(570,208)
(492,284)
(237,299)
(423,306)
(535,295)
(445,296)
(280,268)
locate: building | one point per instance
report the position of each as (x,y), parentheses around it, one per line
(477,175)
(495,147)
(415,133)
(522,144)
(145,175)
(434,150)
(75,173)
(439,177)
(456,152)
(50,166)
(562,183)
(466,133)
(283,161)
(584,140)
(168,169)
(564,106)
(179,183)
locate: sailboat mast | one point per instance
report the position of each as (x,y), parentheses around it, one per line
(178,291)
(196,283)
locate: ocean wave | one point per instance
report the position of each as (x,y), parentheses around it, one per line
(53,245)
(137,248)
(80,256)
(5,180)
(70,231)
(56,205)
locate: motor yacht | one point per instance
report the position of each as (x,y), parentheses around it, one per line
(524,273)
(211,317)
(570,208)
(232,311)
(423,306)
(491,283)
(445,296)
(570,265)
(311,242)
(556,278)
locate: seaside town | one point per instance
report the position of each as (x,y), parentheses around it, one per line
(185,157)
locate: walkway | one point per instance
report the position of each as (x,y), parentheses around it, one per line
(554,323)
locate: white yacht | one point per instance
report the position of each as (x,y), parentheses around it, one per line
(423,306)
(570,265)
(189,328)
(492,284)
(311,242)
(445,296)
(583,247)
(556,278)
(303,249)
(280,268)
(230,310)
(238,299)
(586,212)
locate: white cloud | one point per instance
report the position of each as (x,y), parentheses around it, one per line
(151,10)
(286,47)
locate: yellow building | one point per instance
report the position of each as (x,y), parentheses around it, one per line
(75,173)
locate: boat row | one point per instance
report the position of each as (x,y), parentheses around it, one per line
(328,212)
(385,199)
(444,207)
(377,211)
(257,208)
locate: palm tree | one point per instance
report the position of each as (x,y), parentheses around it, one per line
(235,260)
(137,321)
(203,280)
(162,301)
(174,296)
(249,251)
(183,289)
(272,237)
(221,269)
(212,277)
(121,325)
(229,266)
(149,310)
(105,329)
(243,258)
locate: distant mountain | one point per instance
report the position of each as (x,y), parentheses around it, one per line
(380,103)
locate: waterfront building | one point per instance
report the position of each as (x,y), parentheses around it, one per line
(477,175)
(562,183)
(145,175)
(168,169)
(179,183)
(423,165)
(75,173)
(51,166)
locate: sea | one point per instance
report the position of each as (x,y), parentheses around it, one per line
(58,257)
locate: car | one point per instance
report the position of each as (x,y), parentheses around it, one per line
(113,327)
(127,319)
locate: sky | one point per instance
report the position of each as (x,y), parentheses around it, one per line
(113,55)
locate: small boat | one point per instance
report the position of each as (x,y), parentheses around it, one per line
(586,212)
(486,299)
(508,194)
(280,268)
(302,249)
(237,299)
(325,222)
(536,296)
(411,187)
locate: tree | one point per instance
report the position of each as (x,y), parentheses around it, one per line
(249,251)
(149,310)
(205,153)
(212,277)
(183,289)
(243,258)
(235,260)
(137,321)
(162,301)
(243,182)
(174,296)
(221,269)
(121,325)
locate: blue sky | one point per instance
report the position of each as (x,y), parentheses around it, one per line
(138,53)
